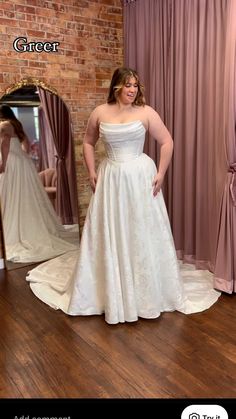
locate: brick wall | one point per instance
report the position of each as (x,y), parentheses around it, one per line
(91,47)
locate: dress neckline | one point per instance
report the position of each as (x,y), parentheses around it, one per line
(123,123)
(120,123)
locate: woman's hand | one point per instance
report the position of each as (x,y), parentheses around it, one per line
(93,181)
(157,183)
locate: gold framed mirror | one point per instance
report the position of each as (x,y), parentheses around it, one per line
(38,190)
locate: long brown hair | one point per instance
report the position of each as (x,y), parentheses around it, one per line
(119,79)
(7,114)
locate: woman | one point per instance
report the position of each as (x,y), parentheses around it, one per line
(7,114)
(32,232)
(127,266)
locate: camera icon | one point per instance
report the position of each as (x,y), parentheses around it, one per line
(194,416)
(204,411)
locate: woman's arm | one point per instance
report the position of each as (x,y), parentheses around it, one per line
(158,130)
(26,144)
(5,145)
(90,139)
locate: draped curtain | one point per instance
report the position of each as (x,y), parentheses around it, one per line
(225,269)
(59,122)
(47,149)
(184,52)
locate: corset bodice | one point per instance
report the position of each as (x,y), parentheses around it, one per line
(123,141)
(15,146)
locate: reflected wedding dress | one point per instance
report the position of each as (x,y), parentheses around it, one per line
(32,232)
(126,266)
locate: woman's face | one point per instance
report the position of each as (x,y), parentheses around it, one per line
(129,91)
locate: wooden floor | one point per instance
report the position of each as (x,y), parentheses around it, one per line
(47,354)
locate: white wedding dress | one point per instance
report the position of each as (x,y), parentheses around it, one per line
(32,232)
(126,266)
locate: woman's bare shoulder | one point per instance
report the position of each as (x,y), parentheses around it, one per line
(151,114)
(102,106)
(96,111)
(7,128)
(100,112)
(5,123)
(149,110)
(145,113)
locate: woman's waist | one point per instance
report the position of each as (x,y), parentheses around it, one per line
(128,159)
(123,158)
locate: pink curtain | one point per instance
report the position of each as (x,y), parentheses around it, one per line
(179,49)
(46,143)
(225,269)
(59,122)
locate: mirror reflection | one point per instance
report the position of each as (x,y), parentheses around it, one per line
(38,191)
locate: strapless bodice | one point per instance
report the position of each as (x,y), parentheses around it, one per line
(15,146)
(123,142)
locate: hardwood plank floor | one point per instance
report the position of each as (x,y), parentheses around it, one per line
(47,354)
